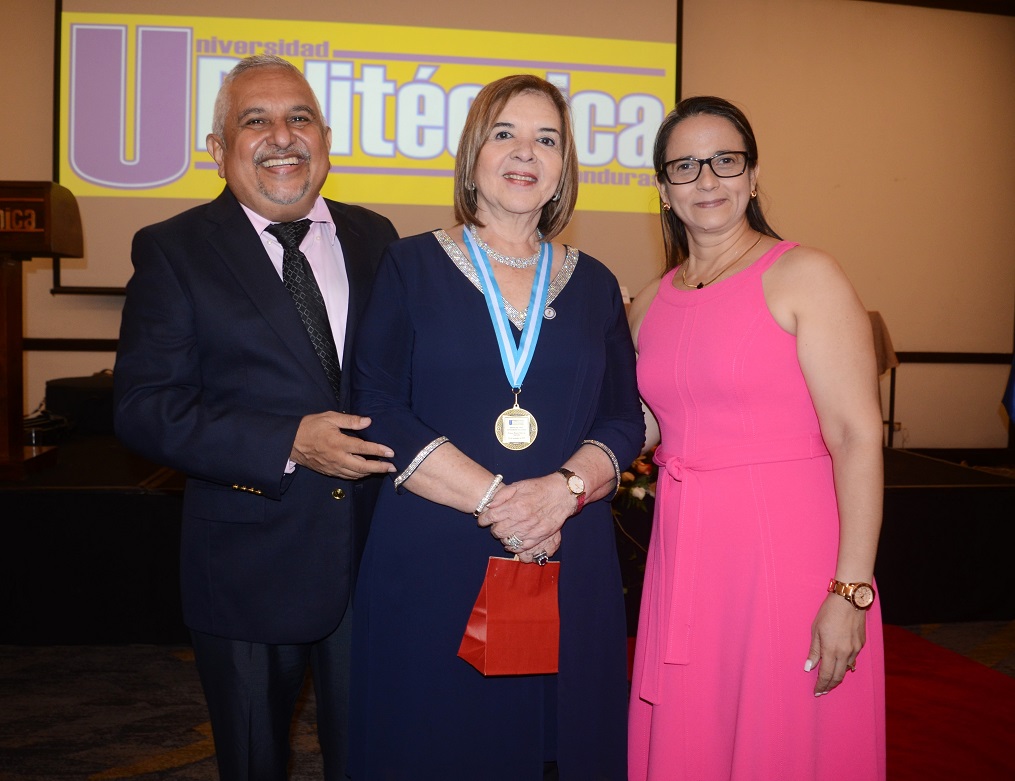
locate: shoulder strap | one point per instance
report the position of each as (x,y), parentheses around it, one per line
(780,249)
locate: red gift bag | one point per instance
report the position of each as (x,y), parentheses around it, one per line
(514,628)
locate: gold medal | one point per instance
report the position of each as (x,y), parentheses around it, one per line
(516,428)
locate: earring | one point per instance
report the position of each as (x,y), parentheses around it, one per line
(754,193)
(472,187)
(556,196)
(666,206)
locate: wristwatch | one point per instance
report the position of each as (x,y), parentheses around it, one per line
(576,486)
(859,595)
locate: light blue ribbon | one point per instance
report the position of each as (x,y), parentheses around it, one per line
(516,360)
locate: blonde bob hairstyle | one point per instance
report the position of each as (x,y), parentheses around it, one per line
(482,115)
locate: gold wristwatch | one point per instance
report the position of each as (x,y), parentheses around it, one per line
(859,595)
(576,486)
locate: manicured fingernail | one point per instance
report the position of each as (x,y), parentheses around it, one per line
(808,666)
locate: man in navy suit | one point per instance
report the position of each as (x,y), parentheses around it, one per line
(217,377)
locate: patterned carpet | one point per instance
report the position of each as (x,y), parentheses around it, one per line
(116,712)
(136,711)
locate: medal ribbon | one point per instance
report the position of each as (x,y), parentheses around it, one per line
(516,360)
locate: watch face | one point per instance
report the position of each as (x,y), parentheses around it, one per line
(576,484)
(863,596)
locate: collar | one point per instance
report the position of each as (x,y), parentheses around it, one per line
(319,212)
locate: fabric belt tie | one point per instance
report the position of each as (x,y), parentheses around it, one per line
(670,640)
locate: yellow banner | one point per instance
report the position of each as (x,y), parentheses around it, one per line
(138,92)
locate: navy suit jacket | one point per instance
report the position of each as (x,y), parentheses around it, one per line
(213,374)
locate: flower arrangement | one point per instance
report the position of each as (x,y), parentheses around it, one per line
(632,518)
(637,483)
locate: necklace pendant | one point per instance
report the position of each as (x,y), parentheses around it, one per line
(723,270)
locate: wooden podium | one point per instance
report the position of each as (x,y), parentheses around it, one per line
(37,220)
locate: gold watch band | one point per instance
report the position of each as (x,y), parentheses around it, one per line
(859,595)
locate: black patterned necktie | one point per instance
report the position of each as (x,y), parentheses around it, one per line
(299,281)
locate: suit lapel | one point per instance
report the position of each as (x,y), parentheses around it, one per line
(355,247)
(240,249)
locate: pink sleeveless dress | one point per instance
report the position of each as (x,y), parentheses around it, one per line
(743,545)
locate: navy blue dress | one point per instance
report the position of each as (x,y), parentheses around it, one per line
(427,365)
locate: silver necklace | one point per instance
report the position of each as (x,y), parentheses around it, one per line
(507,260)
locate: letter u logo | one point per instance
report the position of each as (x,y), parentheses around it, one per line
(98,100)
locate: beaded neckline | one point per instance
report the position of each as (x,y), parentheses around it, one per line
(508,260)
(517,318)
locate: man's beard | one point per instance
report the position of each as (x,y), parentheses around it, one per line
(296,150)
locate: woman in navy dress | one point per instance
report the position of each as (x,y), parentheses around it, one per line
(520,422)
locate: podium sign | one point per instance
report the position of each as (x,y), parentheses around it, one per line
(37,220)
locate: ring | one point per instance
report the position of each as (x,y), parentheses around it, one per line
(851,667)
(541,558)
(513,542)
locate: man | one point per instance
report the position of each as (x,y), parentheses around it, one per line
(218,377)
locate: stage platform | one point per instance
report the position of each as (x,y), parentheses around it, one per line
(89,551)
(947,542)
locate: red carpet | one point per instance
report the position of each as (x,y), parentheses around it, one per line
(948,716)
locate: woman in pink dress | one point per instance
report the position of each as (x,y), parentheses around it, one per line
(759,649)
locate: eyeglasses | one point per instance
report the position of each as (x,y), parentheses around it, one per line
(685,170)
